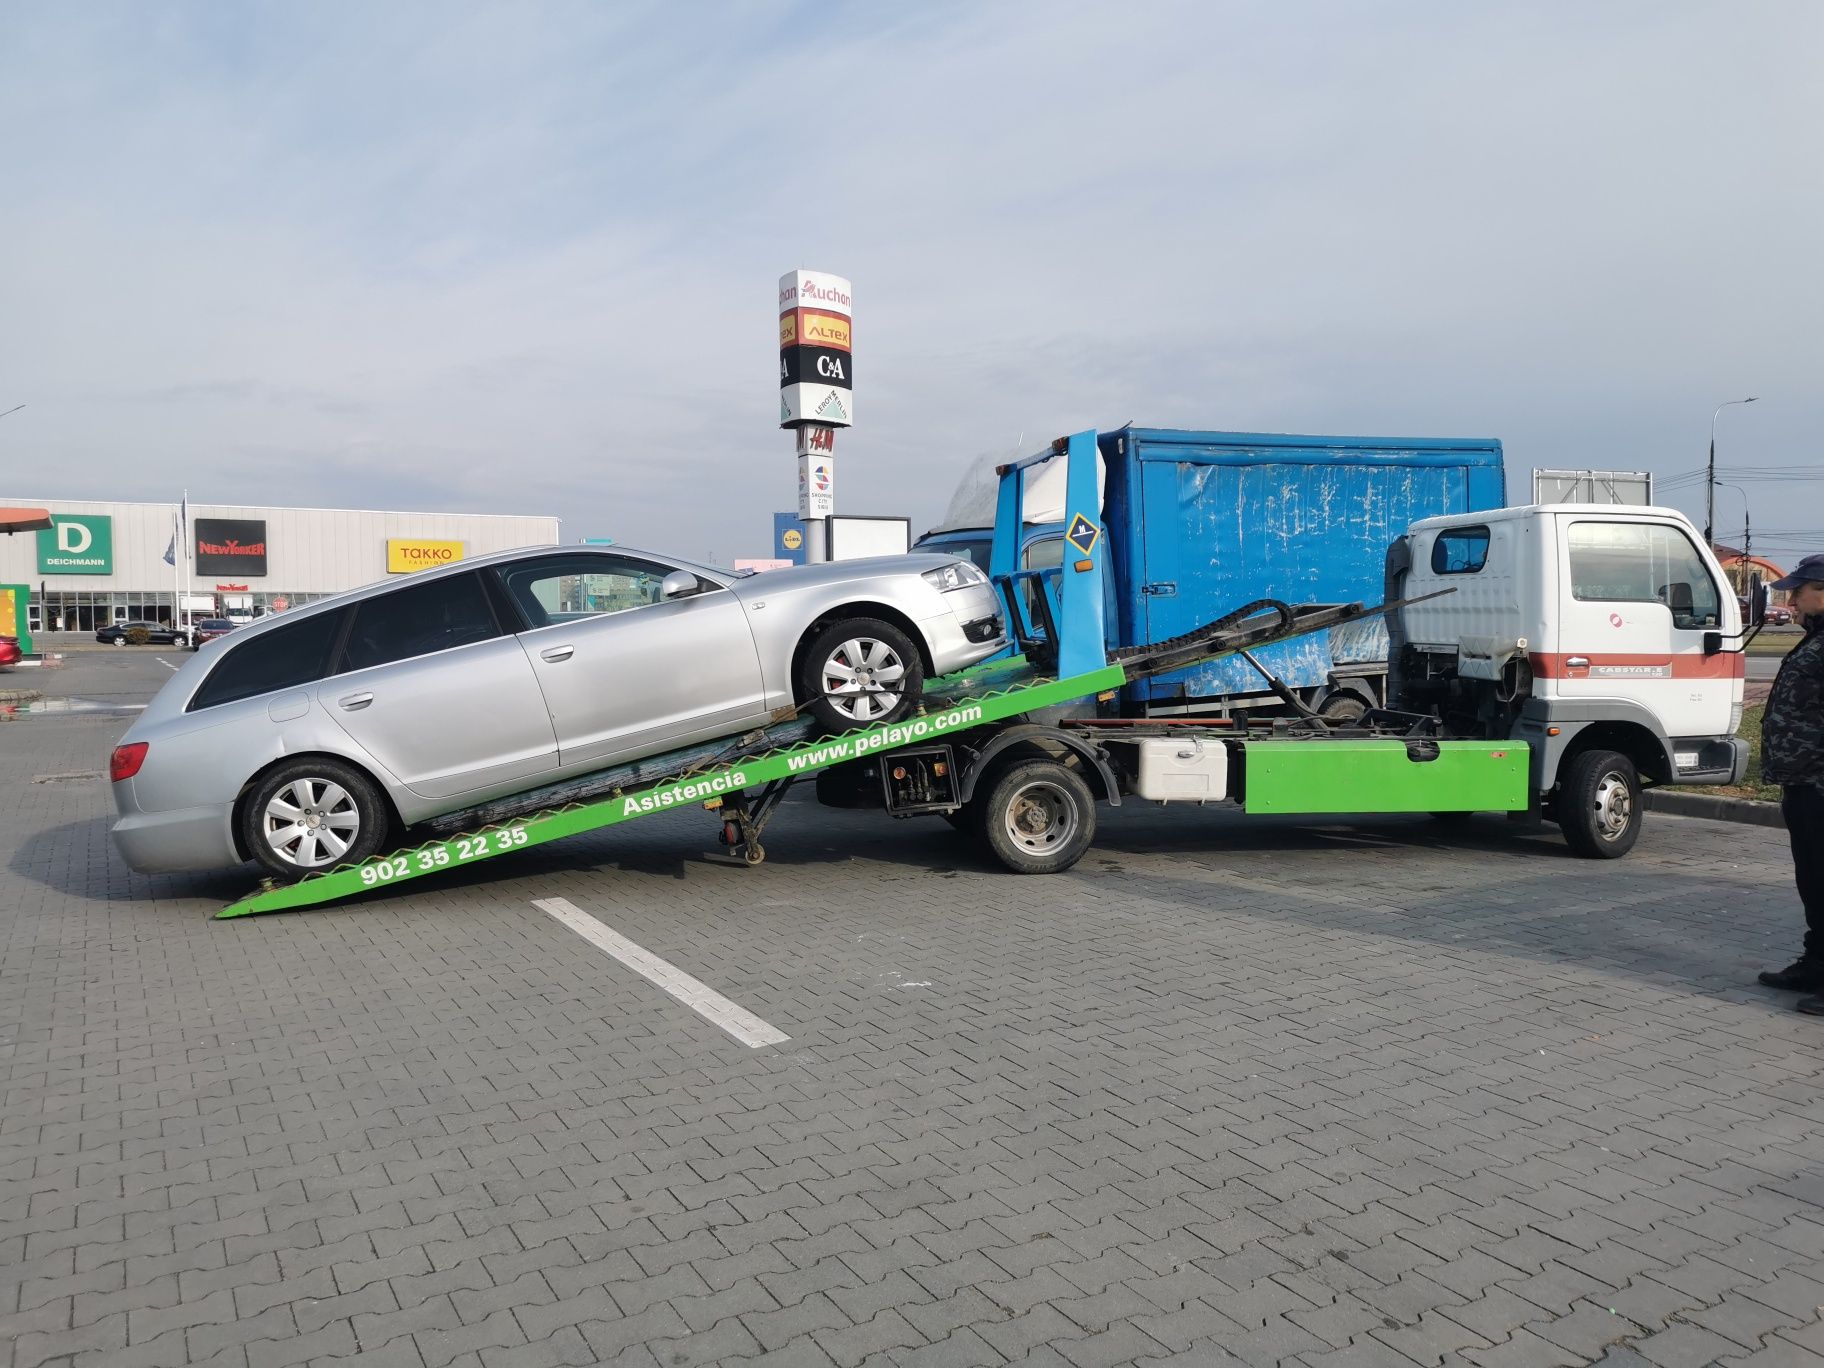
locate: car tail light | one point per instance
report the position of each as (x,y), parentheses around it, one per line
(126,760)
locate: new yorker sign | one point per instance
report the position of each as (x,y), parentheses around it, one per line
(231,546)
(76,545)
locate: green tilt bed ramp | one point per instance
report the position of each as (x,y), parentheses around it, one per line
(948,712)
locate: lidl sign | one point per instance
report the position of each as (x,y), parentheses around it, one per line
(77,545)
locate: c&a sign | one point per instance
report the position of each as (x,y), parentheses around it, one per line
(403,557)
(76,545)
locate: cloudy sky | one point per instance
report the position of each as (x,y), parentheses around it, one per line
(522,258)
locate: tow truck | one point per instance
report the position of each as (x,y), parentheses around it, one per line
(1526,714)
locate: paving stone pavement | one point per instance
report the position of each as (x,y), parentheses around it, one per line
(1231,1091)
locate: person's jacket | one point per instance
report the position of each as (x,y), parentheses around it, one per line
(1792,728)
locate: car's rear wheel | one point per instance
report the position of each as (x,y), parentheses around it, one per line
(309,815)
(860,672)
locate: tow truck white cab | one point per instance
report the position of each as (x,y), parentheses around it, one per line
(1606,638)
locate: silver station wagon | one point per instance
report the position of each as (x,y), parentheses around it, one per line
(308,739)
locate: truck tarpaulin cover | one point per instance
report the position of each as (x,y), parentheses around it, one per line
(231,546)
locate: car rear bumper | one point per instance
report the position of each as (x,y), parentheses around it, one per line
(184,838)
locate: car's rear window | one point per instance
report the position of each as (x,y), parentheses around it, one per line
(283,658)
(435,615)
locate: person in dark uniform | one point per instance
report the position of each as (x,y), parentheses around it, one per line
(1792,755)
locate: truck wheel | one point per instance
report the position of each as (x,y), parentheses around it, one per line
(860,672)
(1038,817)
(310,815)
(1598,805)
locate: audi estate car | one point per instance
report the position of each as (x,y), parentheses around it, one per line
(308,739)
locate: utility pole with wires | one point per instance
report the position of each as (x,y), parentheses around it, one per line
(1710,481)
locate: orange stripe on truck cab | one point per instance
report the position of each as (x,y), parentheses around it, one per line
(1619,664)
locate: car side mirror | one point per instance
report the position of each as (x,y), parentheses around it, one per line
(679,584)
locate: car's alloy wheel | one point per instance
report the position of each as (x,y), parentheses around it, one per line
(861,673)
(311,822)
(313,814)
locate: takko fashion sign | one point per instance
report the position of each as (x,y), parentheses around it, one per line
(407,557)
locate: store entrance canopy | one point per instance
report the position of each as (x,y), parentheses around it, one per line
(23,519)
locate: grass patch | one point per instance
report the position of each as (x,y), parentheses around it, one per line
(1775,641)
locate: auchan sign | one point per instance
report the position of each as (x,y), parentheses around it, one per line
(404,557)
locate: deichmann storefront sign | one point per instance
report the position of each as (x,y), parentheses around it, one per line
(403,557)
(76,544)
(231,546)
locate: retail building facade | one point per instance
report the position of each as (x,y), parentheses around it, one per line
(104,562)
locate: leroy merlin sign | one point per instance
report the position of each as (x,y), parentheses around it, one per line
(76,545)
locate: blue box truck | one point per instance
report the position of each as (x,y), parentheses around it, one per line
(1199,523)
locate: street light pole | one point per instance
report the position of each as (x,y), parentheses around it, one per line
(1742,570)
(1710,481)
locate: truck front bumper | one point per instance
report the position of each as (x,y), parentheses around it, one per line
(1710,759)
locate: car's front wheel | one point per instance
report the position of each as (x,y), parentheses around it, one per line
(309,815)
(860,672)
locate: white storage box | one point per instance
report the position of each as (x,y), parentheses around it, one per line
(1178,769)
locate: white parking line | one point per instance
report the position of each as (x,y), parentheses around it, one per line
(167,664)
(705,1001)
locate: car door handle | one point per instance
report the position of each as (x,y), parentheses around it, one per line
(557,653)
(1577,662)
(354,702)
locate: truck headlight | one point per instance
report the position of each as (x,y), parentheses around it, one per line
(958,574)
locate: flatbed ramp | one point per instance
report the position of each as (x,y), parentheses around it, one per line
(949,707)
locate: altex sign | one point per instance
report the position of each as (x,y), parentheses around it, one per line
(76,545)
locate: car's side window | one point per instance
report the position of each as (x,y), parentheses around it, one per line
(284,658)
(566,588)
(418,619)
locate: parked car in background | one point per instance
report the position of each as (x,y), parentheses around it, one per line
(10,654)
(205,630)
(307,739)
(157,633)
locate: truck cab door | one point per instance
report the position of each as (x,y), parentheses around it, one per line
(1637,601)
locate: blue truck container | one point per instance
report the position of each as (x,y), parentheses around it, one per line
(1199,523)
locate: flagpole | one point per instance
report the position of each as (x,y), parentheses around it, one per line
(183,550)
(177,600)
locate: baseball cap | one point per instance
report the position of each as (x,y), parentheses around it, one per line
(1811,569)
